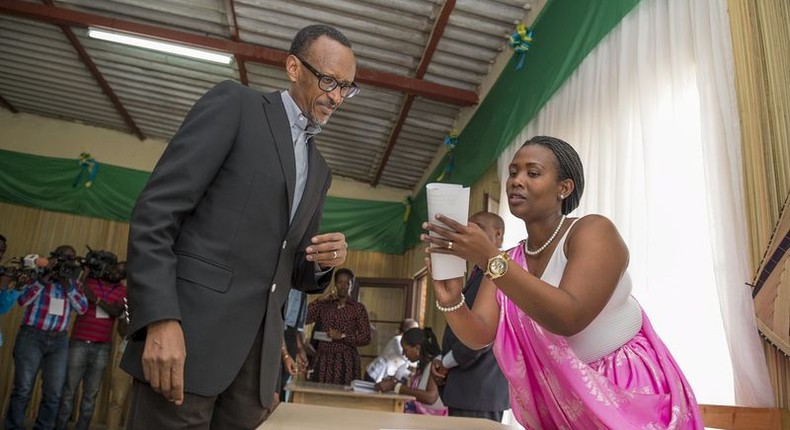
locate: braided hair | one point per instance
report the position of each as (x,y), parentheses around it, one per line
(569,166)
(429,346)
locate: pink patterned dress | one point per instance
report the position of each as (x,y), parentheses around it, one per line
(638,386)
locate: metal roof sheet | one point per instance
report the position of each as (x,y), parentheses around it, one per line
(41,73)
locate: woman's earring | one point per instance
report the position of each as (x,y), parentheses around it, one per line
(561,197)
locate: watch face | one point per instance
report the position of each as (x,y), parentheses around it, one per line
(498,265)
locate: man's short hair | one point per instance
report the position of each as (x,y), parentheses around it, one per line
(306,36)
(494,218)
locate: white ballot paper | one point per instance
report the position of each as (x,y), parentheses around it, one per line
(452,201)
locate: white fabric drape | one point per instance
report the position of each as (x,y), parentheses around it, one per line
(653,114)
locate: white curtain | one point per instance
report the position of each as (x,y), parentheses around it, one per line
(652,111)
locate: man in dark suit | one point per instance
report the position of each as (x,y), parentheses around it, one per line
(474,386)
(223,230)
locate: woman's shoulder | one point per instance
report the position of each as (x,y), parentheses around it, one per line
(595,222)
(357,304)
(594,228)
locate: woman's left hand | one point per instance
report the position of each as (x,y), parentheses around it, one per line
(469,242)
(386,385)
(290,365)
(335,334)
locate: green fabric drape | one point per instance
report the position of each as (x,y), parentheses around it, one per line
(48,183)
(566,31)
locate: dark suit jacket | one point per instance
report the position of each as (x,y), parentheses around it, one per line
(477,383)
(210,243)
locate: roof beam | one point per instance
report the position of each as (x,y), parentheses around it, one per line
(422,68)
(4,103)
(230,11)
(243,50)
(91,66)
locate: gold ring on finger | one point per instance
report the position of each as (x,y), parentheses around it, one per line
(449,245)
(334,255)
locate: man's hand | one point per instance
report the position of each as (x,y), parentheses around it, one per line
(328,250)
(163,359)
(439,372)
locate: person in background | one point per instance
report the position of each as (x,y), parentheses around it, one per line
(470,381)
(345,322)
(576,347)
(91,343)
(422,347)
(225,227)
(8,294)
(391,360)
(292,351)
(42,343)
(120,381)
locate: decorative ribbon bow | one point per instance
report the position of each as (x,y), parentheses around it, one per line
(520,41)
(89,168)
(450,141)
(407,209)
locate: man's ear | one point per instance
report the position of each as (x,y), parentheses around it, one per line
(292,68)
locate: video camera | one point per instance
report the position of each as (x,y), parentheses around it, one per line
(99,262)
(27,269)
(65,267)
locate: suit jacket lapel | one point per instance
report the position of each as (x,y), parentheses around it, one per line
(279,125)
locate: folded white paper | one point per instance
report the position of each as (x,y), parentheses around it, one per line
(322,336)
(452,201)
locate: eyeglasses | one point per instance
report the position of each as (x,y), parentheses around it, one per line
(328,84)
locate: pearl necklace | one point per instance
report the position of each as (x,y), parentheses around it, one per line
(553,235)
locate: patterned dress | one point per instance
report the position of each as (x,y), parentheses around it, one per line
(338,362)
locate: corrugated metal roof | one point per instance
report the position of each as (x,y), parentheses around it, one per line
(41,73)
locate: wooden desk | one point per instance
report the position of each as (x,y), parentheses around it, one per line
(292,416)
(314,393)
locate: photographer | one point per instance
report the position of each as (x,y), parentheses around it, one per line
(91,340)
(8,294)
(42,342)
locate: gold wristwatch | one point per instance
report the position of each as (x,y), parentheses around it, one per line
(497,265)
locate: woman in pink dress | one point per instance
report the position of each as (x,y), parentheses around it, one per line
(576,347)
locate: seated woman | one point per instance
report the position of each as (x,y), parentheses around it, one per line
(347,327)
(391,360)
(421,346)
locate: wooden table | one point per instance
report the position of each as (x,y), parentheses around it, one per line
(292,416)
(314,393)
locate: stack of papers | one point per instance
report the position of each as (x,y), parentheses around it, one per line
(361,386)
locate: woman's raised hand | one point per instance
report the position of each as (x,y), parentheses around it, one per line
(447,292)
(469,242)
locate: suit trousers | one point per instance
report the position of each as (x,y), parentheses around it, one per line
(238,407)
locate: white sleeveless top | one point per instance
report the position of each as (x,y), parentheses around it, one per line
(619,321)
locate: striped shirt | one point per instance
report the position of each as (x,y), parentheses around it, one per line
(48,305)
(95,325)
